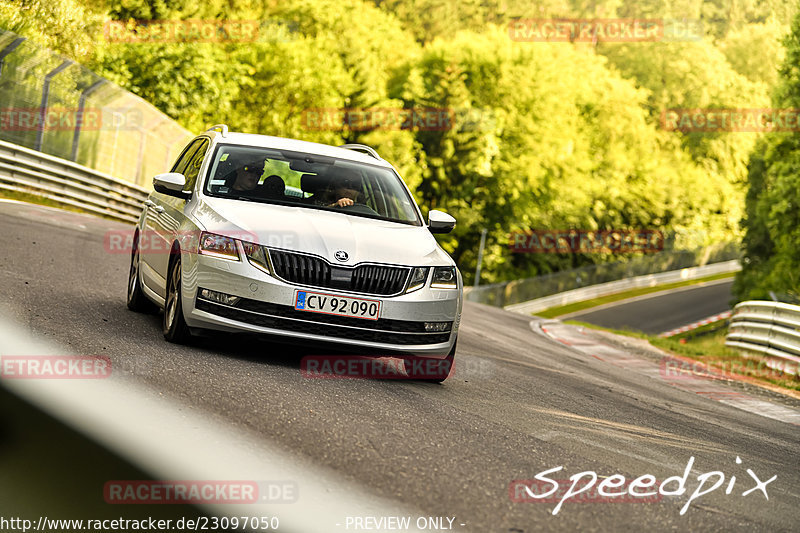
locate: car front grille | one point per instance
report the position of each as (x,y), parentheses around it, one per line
(303,269)
(316,272)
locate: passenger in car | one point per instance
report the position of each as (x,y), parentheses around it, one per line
(273,187)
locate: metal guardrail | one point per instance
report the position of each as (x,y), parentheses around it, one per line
(613,287)
(28,171)
(53,105)
(770,330)
(525,290)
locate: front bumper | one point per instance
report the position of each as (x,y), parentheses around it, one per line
(267,307)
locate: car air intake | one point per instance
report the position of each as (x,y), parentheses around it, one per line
(316,272)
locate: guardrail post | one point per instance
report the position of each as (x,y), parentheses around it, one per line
(7,50)
(773,312)
(45,95)
(480,257)
(79,117)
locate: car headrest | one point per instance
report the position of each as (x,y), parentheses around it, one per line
(312,183)
(273,186)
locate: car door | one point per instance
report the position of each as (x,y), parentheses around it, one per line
(160,226)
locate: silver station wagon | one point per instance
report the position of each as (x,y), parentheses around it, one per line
(259,234)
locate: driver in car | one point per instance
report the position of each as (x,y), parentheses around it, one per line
(346,190)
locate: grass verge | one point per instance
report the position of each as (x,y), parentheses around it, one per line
(555,312)
(706,345)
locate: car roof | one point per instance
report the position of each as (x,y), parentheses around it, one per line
(281,143)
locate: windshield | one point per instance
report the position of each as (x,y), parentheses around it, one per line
(309,180)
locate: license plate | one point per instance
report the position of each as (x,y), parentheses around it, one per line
(331,304)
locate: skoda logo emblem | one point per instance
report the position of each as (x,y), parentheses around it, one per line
(341,255)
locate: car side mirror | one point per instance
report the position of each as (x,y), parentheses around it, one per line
(440,222)
(171,183)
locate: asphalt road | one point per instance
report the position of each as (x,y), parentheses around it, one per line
(663,311)
(519,404)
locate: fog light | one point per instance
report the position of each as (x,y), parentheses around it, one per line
(219,297)
(436,326)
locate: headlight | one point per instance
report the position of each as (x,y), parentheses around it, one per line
(256,256)
(418,278)
(218,246)
(444,278)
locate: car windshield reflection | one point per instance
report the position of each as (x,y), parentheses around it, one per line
(310,181)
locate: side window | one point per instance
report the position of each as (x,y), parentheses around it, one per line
(186,155)
(193,167)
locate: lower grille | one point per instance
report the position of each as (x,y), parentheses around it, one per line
(383,330)
(303,269)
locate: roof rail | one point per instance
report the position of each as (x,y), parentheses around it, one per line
(362,148)
(223,128)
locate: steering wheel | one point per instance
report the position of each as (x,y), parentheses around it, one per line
(360,208)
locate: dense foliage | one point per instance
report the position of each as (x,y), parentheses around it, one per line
(543,135)
(772,240)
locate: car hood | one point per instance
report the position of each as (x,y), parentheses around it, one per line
(322,233)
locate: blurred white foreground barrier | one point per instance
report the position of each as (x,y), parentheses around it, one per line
(172,442)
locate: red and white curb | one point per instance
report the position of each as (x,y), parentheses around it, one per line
(695,325)
(704,385)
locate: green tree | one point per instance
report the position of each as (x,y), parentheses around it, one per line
(771,244)
(66,26)
(755,50)
(530,135)
(569,145)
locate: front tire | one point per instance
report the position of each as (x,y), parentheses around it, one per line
(174,326)
(443,370)
(137,301)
